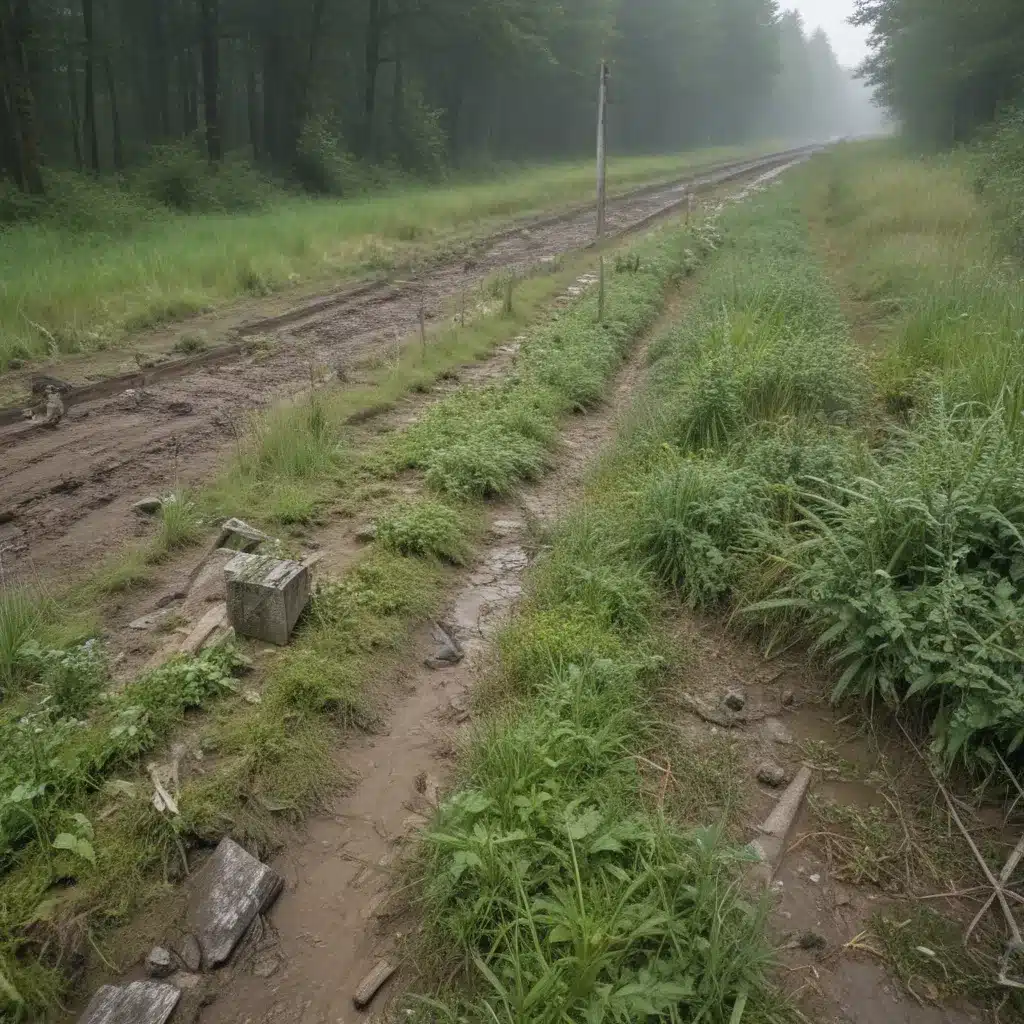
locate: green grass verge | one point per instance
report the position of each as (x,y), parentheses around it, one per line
(64,292)
(553,885)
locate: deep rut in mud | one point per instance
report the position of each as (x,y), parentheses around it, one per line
(333,923)
(66,494)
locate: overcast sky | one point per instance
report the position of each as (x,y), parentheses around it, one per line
(849,43)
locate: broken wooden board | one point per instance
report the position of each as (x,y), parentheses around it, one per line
(141,1002)
(229,891)
(372,984)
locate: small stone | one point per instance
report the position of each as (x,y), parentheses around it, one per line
(777,732)
(190,953)
(54,407)
(367,533)
(735,700)
(788,698)
(771,774)
(266,966)
(447,654)
(148,506)
(815,878)
(152,621)
(159,963)
(504,527)
(252,696)
(179,408)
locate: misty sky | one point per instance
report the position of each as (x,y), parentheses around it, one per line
(849,43)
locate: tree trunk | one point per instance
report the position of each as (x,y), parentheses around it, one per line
(91,135)
(161,85)
(253,107)
(76,121)
(189,92)
(18,131)
(315,31)
(115,115)
(371,66)
(211,81)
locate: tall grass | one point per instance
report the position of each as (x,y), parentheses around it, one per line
(70,291)
(895,549)
(920,254)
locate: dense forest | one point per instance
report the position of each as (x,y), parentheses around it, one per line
(945,69)
(305,89)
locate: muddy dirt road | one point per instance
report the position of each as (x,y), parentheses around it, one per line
(66,493)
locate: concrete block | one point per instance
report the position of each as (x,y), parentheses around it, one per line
(266,596)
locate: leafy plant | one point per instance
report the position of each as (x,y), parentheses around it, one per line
(694,524)
(72,678)
(425,528)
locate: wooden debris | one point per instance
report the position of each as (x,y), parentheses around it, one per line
(216,617)
(373,983)
(232,888)
(141,1002)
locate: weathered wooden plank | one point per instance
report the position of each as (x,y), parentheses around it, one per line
(372,984)
(230,890)
(141,1002)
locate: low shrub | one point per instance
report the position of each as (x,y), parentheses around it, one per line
(999,176)
(915,586)
(696,522)
(425,528)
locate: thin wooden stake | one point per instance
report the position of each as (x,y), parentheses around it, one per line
(423,332)
(602,124)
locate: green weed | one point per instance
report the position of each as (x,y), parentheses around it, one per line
(425,528)
(180,526)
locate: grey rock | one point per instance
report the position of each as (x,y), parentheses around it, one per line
(159,963)
(771,774)
(141,1002)
(152,621)
(179,408)
(54,408)
(148,506)
(231,889)
(788,698)
(735,700)
(447,652)
(191,954)
(777,732)
(247,537)
(367,534)
(266,966)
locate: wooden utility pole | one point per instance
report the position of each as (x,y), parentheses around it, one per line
(602,122)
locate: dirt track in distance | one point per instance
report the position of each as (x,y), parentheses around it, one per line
(66,494)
